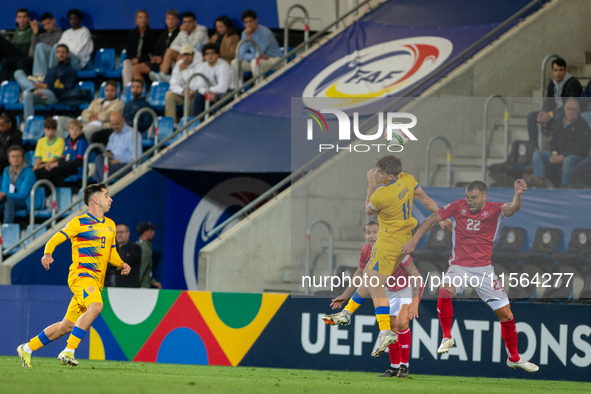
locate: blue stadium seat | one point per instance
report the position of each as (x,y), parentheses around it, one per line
(87,72)
(63,198)
(30,157)
(18,121)
(9,93)
(37,235)
(157,95)
(39,204)
(102,89)
(116,73)
(165,128)
(11,233)
(104,61)
(181,124)
(127,94)
(33,129)
(86,85)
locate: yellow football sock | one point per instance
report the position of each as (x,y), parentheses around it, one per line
(39,341)
(383,317)
(75,338)
(354,303)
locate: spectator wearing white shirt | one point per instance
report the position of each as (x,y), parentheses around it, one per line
(78,40)
(190,33)
(181,73)
(119,148)
(219,73)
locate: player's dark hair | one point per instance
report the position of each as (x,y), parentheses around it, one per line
(111,82)
(370,223)
(90,190)
(210,47)
(138,81)
(50,123)
(18,148)
(189,15)
(248,14)
(76,12)
(228,23)
(477,185)
(173,12)
(63,46)
(391,165)
(46,15)
(26,11)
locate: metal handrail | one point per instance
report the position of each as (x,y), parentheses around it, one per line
(47,183)
(543,87)
(288,24)
(136,120)
(428,164)
(91,147)
(371,120)
(238,82)
(308,251)
(489,99)
(186,104)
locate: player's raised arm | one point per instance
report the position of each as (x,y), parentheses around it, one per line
(69,231)
(370,190)
(426,200)
(510,208)
(410,246)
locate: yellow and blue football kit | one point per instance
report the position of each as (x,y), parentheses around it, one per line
(93,247)
(393,204)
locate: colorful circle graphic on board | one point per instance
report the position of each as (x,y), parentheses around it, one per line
(378,71)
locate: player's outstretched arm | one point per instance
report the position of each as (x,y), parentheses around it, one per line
(340,300)
(422,196)
(416,283)
(511,208)
(410,246)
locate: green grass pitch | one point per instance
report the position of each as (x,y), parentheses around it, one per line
(49,376)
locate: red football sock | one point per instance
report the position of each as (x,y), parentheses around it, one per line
(445,312)
(404,341)
(509,334)
(394,352)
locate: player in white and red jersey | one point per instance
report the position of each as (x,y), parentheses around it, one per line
(476,224)
(402,291)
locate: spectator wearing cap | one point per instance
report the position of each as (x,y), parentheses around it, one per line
(190,33)
(181,73)
(131,253)
(219,74)
(9,136)
(50,36)
(77,39)
(263,36)
(145,232)
(17,182)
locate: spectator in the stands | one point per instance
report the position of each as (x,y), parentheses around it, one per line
(219,73)
(96,116)
(263,36)
(119,148)
(129,252)
(77,38)
(17,181)
(569,144)
(71,160)
(562,85)
(9,135)
(182,71)
(59,79)
(225,37)
(140,46)
(190,33)
(138,71)
(138,102)
(50,36)
(50,147)
(21,40)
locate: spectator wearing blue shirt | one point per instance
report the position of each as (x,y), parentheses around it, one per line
(59,79)
(132,106)
(119,148)
(17,181)
(263,36)
(71,161)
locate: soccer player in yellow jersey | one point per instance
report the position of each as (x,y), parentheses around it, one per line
(93,247)
(393,204)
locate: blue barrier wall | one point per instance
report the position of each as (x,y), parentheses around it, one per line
(116,15)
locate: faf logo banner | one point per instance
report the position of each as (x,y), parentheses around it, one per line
(381,70)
